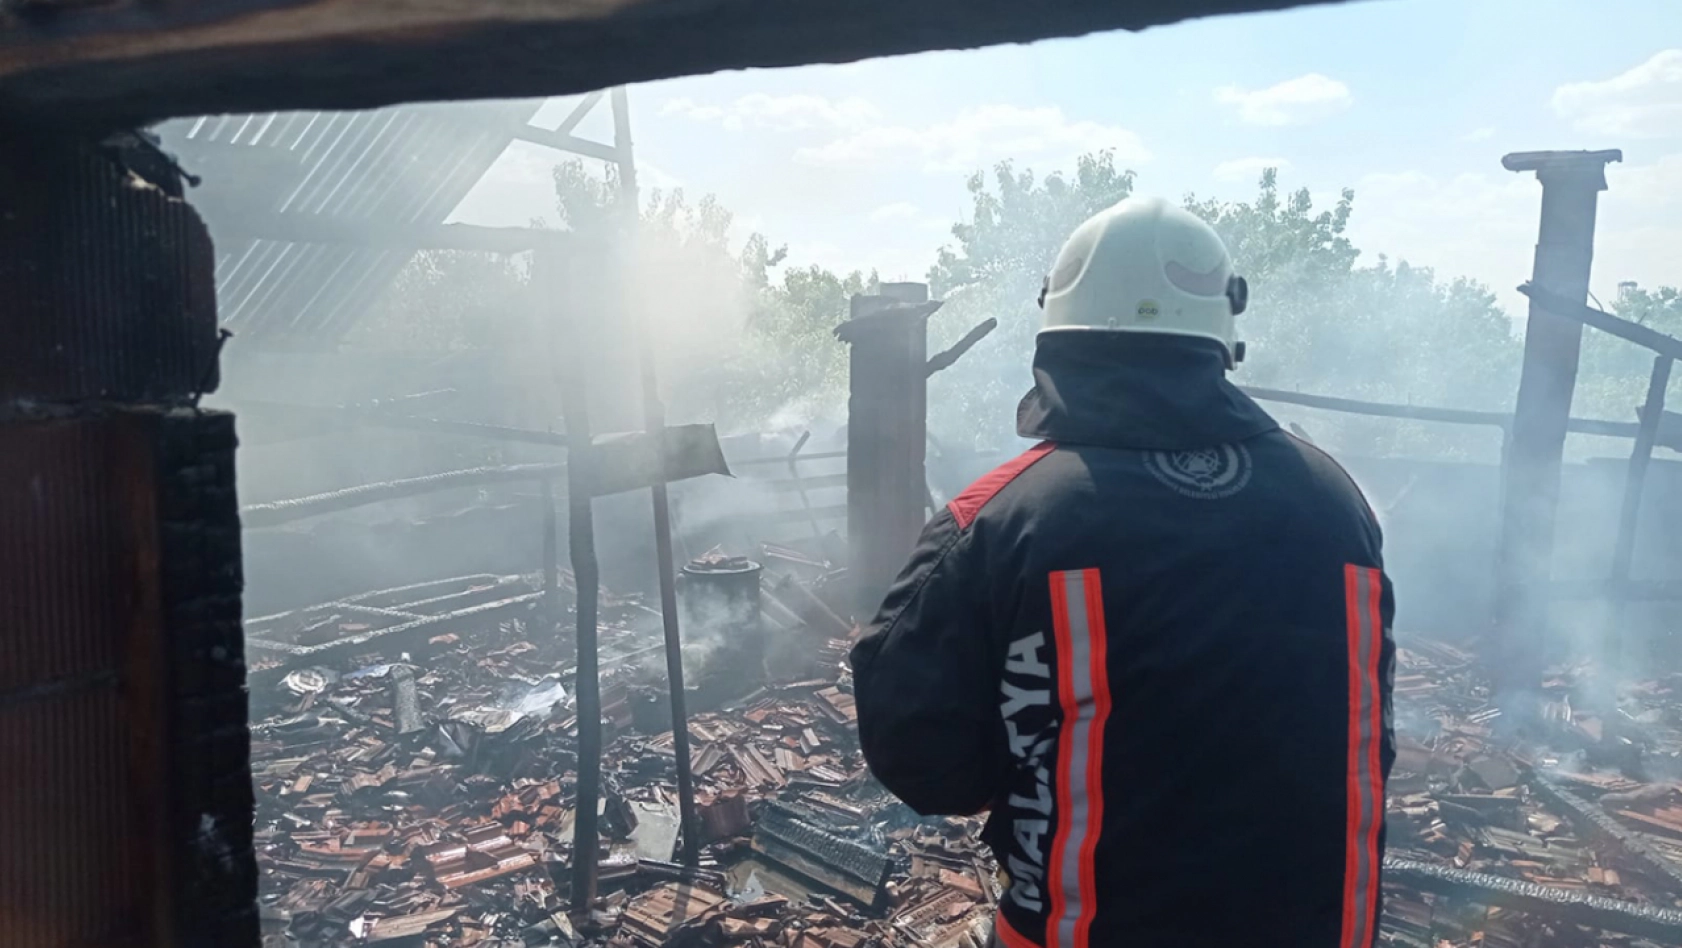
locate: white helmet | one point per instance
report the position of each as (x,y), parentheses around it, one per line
(1145,265)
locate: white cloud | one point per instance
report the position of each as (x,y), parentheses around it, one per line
(902,210)
(651,175)
(1479,134)
(779,113)
(1484,226)
(1296,101)
(1645,102)
(976,138)
(1248,169)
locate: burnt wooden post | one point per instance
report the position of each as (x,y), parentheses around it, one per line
(887,435)
(1571,186)
(561,285)
(125,798)
(1635,483)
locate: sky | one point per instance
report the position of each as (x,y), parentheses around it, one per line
(1411,103)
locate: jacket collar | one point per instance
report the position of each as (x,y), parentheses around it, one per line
(1134,390)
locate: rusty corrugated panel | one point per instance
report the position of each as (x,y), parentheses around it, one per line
(81,787)
(385,169)
(89,256)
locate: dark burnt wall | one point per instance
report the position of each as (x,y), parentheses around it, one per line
(125,792)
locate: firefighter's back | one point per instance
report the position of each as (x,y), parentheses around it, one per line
(1207,712)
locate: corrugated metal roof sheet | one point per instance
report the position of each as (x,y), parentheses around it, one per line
(384,169)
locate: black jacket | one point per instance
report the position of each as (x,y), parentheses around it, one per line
(1156,647)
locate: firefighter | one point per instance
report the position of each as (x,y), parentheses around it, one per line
(1155,648)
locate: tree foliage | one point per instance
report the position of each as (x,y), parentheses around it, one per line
(748,341)
(1318,321)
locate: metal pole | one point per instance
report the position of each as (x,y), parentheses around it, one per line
(1635,479)
(654,414)
(551,560)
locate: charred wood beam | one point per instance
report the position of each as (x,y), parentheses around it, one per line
(1595,823)
(580,112)
(614,464)
(568,142)
(232,225)
(1627,591)
(945,359)
(392,638)
(1566,905)
(555,277)
(1535,448)
(1635,482)
(254,516)
(654,422)
(133,63)
(279,422)
(1451,416)
(1651,339)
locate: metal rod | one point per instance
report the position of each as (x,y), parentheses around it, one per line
(551,560)
(654,413)
(571,362)
(1635,479)
(800,485)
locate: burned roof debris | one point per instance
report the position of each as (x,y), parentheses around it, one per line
(421,791)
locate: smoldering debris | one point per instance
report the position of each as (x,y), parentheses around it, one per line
(458,831)
(1565,833)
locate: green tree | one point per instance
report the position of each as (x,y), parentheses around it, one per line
(746,341)
(1612,376)
(994,270)
(1318,321)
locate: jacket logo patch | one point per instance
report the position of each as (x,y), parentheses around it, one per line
(1204,474)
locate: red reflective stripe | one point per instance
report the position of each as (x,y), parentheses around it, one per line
(1008,935)
(1352,795)
(1375,774)
(1095,760)
(1364,794)
(967,506)
(1077,610)
(1065,755)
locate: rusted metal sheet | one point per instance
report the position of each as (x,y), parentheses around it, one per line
(324,188)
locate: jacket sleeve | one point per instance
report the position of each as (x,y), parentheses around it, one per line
(926,682)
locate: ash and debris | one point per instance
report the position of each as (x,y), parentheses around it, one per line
(426,798)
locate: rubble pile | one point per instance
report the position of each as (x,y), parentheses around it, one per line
(1576,797)
(427,798)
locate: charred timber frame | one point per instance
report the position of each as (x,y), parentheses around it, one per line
(887,435)
(654,424)
(553,276)
(1648,433)
(127,790)
(1571,186)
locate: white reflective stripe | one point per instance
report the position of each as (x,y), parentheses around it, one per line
(1079,636)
